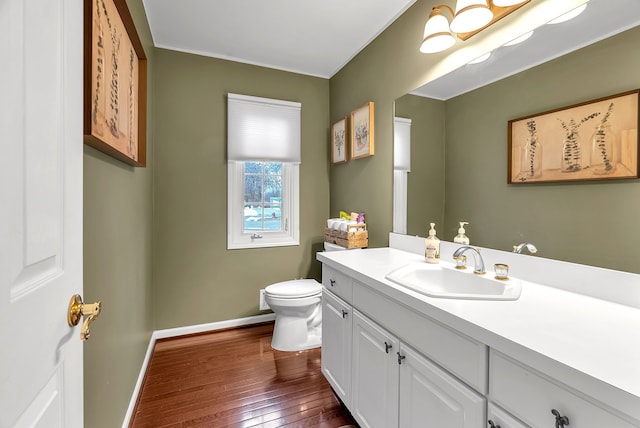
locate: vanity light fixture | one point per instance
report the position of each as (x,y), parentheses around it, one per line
(506,3)
(470,15)
(469,18)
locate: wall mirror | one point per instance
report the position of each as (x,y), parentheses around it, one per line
(434,105)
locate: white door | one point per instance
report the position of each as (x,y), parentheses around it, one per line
(40,212)
(374,385)
(430,397)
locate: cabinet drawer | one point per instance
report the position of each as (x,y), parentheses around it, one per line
(337,282)
(531,396)
(464,357)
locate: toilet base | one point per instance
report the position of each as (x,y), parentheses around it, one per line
(293,334)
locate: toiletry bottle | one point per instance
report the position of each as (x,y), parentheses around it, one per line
(461,238)
(432,246)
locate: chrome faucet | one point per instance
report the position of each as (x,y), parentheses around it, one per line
(528,245)
(479,269)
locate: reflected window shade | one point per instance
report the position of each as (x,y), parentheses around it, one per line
(262,129)
(402,144)
(400,179)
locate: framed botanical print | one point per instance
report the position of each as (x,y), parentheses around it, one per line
(593,140)
(362,131)
(340,141)
(115,82)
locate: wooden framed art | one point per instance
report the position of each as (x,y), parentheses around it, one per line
(340,141)
(115,82)
(594,140)
(362,131)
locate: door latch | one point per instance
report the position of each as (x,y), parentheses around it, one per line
(77,310)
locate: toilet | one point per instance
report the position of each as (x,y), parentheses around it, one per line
(297,305)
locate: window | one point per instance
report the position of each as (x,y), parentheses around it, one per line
(263,147)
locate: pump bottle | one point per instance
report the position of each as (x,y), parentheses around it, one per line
(432,246)
(461,238)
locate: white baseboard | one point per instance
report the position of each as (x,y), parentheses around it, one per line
(200,328)
(136,390)
(181,331)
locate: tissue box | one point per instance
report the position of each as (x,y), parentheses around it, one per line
(358,238)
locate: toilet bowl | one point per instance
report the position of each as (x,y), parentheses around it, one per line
(296,304)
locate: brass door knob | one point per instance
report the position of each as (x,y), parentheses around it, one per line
(77,310)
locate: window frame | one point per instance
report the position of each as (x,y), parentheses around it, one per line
(237,238)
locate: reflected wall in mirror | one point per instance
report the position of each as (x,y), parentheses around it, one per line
(469,184)
(425,184)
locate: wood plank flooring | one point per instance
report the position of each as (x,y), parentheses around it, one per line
(233,378)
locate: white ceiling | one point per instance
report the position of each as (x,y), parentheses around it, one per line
(313,37)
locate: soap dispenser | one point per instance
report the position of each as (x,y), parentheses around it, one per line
(432,246)
(461,238)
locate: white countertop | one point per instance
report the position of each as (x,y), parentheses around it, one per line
(588,343)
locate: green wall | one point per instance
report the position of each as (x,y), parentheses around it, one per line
(386,69)
(196,279)
(425,187)
(593,223)
(117,269)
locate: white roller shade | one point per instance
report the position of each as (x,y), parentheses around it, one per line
(402,144)
(263,129)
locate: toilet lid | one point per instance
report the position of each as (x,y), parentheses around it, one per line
(295,288)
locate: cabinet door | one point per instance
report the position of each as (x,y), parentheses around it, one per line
(430,397)
(501,419)
(336,344)
(374,396)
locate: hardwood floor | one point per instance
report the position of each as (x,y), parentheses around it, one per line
(233,378)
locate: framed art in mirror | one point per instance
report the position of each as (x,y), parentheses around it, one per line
(362,131)
(594,140)
(115,82)
(340,141)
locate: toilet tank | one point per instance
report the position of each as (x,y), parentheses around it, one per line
(328,246)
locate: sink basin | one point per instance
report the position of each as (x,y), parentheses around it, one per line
(447,282)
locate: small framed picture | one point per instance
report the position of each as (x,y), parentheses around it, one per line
(362,131)
(340,141)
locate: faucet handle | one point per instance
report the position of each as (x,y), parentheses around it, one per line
(461,262)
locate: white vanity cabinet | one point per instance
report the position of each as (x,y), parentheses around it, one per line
(541,401)
(383,381)
(473,364)
(336,344)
